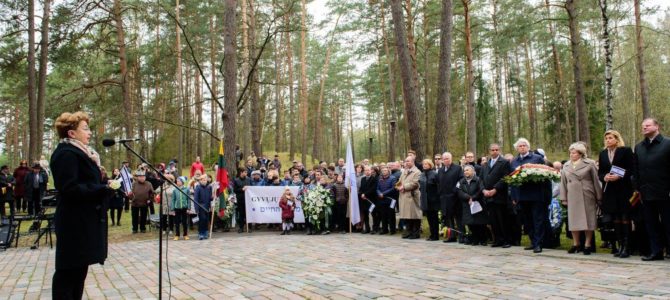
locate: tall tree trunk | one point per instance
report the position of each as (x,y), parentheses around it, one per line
(279,108)
(444,80)
(123,70)
(608,64)
(409,82)
(530,92)
(229,114)
(471,108)
(42,78)
(558,80)
(212,61)
(575,38)
(255,120)
(32,99)
(317,152)
(393,119)
(304,103)
(644,87)
(289,63)
(180,91)
(246,131)
(497,81)
(198,114)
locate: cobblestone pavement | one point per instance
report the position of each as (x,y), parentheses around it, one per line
(264,265)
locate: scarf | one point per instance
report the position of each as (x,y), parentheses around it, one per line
(94,156)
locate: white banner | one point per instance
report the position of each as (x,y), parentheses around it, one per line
(262,204)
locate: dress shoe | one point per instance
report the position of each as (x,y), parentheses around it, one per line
(575,249)
(652,257)
(240,230)
(537,250)
(449,241)
(413,236)
(383,232)
(406,235)
(432,239)
(587,250)
(495,245)
(373,232)
(529,248)
(506,246)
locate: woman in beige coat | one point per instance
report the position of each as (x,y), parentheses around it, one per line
(581,192)
(410,199)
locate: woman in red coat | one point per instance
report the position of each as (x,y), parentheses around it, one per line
(287,205)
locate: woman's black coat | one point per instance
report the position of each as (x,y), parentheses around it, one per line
(617,194)
(473,190)
(81,211)
(430,199)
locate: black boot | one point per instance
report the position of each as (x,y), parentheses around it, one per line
(623,253)
(618,229)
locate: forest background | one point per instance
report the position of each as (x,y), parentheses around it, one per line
(299,77)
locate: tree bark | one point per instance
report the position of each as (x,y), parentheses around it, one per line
(644,87)
(393,119)
(409,82)
(317,152)
(558,81)
(608,64)
(255,120)
(229,114)
(471,109)
(530,92)
(32,99)
(443,102)
(42,78)
(497,81)
(123,70)
(304,103)
(279,116)
(575,38)
(214,129)
(289,62)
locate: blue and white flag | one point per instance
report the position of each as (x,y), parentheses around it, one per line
(355,213)
(127,179)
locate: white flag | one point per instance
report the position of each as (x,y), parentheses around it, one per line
(127,179)
(355,214)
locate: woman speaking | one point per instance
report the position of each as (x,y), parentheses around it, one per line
(81,211)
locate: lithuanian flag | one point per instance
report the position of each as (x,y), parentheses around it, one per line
(222,179)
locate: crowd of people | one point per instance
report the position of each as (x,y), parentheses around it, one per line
(624,194)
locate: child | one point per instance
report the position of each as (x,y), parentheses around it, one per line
(203,196)
(287,204)
(180,206)
(341,193)
(470,191)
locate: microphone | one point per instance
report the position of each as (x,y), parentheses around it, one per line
(112,142)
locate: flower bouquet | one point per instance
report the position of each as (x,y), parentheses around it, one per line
(317,206)
(532,173)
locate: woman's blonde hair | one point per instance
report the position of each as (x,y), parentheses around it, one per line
(617,137)
(579,147)
(69,121)
(429,162)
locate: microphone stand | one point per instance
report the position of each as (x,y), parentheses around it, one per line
(160,212)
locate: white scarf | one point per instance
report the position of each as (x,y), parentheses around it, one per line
(92,154)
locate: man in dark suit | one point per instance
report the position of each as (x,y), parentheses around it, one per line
(652,175)
(448,176)
(367,196)
(495,195)
(533,198)
(35,188)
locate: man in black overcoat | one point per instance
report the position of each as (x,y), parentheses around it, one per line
(448,177)
(651,179)
(495,196)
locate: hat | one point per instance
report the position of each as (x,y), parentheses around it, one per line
(256,173)
(140,173)
(540,151)
(182,179)
(37,166)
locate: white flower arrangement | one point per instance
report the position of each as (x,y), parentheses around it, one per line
(532,173)
(317,204)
